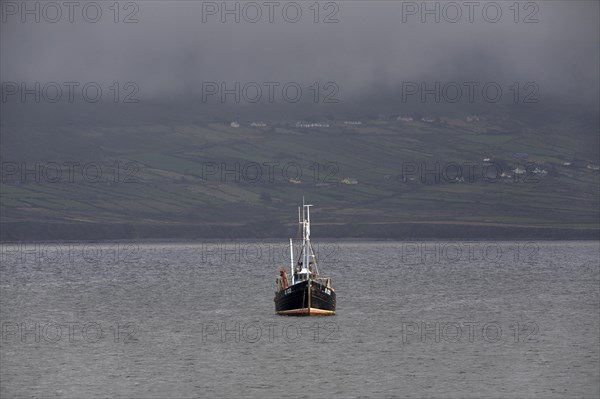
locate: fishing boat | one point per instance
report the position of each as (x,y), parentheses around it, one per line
(307,294)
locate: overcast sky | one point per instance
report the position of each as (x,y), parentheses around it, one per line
(171,51)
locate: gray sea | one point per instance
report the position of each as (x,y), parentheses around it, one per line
(196,320)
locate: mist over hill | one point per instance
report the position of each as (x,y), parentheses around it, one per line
(395,122)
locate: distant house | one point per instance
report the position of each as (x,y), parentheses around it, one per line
(428,119)
(234,124)
(349,180)
(295,181)
(487,160)
(310,125)
(258,124)
(353,123)
(519,171)
(404,119)
(593,167)
(472,118)
(566,163)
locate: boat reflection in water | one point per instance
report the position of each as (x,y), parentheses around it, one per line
(308,294)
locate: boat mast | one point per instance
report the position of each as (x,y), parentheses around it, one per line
(307,247)
(303,238)
(292,262)
(307,233)
(306,251)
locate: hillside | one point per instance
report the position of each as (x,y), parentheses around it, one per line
(492,174)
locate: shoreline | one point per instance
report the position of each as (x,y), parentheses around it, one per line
(48,232)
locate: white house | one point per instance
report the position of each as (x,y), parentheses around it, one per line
(349,180)
(309,125)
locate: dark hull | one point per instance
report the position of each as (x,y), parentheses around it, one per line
(295,300)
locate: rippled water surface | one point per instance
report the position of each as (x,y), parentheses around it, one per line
(186,320)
